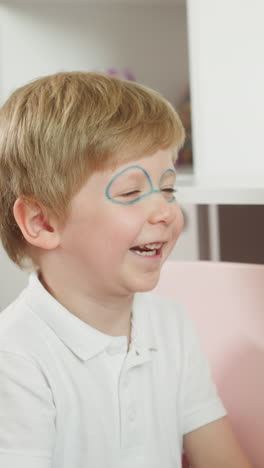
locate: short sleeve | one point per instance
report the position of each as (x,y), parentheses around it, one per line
(201,403)
(27,414)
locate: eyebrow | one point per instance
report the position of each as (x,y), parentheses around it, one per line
(131,174)
(130,170)
(169,173)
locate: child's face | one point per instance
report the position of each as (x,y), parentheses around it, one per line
(122,226)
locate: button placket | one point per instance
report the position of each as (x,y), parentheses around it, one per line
(129,413)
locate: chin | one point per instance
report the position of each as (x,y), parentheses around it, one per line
(147,283)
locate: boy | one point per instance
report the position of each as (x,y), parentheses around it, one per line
(91,373)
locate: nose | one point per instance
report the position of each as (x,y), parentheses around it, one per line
(162,211)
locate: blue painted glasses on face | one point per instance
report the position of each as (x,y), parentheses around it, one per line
(121,191)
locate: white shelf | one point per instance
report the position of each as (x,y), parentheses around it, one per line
(95,2)
(219,191)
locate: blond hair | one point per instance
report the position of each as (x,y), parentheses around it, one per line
(57,130)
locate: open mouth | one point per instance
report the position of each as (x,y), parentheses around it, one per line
(147,250)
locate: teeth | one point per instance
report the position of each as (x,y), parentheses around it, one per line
(151,246)
(151,252)
(146,254)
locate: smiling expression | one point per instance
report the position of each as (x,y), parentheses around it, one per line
(123,224)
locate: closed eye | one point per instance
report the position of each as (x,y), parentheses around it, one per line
(169,190)
(168,193)
(130,194)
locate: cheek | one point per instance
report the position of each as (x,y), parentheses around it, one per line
(124,227)
(116,230)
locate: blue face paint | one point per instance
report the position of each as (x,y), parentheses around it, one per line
(148,187)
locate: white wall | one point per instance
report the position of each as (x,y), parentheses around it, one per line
(12,280)
(227,76)
(38,40)
(151,40)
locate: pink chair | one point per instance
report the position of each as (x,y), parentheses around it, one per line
(226,302)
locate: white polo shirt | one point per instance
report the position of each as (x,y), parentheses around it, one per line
(72,397)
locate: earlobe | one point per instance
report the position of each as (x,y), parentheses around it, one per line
(35,224)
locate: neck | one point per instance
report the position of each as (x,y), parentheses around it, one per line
(109,314)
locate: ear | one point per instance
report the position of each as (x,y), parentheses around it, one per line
(37,227)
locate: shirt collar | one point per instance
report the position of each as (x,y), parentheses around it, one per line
(84,340)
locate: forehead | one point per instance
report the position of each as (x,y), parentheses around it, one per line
(155,162)
(139,152)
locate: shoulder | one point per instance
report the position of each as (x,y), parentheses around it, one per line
(26,394)
(21,331)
